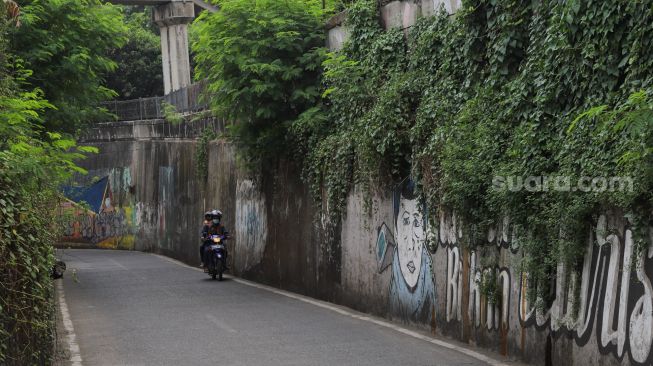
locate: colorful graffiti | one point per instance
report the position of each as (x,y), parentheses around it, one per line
(412,288)
(93,218)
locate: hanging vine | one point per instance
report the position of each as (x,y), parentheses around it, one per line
(494,91)
(202,154)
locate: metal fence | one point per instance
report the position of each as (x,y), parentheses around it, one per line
(186,100)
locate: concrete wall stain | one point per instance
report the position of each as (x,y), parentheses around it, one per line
(251,224)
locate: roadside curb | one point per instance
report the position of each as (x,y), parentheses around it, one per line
(70,337)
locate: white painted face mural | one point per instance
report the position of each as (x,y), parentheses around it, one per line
(410,240)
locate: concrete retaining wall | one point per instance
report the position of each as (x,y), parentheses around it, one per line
(387,260)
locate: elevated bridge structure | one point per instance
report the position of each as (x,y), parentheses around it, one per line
(172,17)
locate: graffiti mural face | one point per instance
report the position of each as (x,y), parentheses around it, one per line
(412,285)
(410,239)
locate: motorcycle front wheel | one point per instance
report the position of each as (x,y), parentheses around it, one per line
(219,270)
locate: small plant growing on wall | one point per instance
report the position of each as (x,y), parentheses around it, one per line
(170,114)
(202,154)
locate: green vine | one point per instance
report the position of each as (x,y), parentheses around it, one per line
(27,235)
(202,154)
(503,89)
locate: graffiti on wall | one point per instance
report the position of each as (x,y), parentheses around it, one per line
(166,207)
(251,225)
(93,217)
(404,250)
(608,297)
(481,310)
(614,294)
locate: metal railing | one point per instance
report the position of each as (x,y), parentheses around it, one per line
(185,100)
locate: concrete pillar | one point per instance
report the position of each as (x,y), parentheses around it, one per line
(337,33)
(173,19)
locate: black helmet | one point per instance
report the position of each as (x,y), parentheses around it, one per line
(208,216)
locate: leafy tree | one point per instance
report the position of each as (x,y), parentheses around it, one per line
(33,162)
(139,73)
(66,43)
(262,61)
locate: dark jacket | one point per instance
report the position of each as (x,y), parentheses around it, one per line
(209,230)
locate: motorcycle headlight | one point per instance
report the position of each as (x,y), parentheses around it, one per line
(216,240)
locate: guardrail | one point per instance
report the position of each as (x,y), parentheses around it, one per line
(186,100)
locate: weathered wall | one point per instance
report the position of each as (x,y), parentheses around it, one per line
(399,265)
(386,260)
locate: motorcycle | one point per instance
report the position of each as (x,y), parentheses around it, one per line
(215,255)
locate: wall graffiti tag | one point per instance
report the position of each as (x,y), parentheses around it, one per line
(608,297)
(614,294)
(480,310)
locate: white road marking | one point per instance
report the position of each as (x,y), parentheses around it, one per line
(220,324)
(118,264)
(71,338)
(325,305)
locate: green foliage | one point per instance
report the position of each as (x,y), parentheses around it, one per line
(489,285)
(66,43)
(202,154)
(26,259)
(334,6)
(493,91)
(171,115)
(261,60)
(33,162)
(139,73)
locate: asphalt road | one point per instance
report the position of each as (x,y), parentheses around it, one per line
(131,308)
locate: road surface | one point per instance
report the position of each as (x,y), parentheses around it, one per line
(132,308)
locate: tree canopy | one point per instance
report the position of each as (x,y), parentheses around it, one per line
(139,73)
(66,44)
(261,60)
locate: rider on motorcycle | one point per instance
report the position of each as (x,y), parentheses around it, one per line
(207,219)
(212,226)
